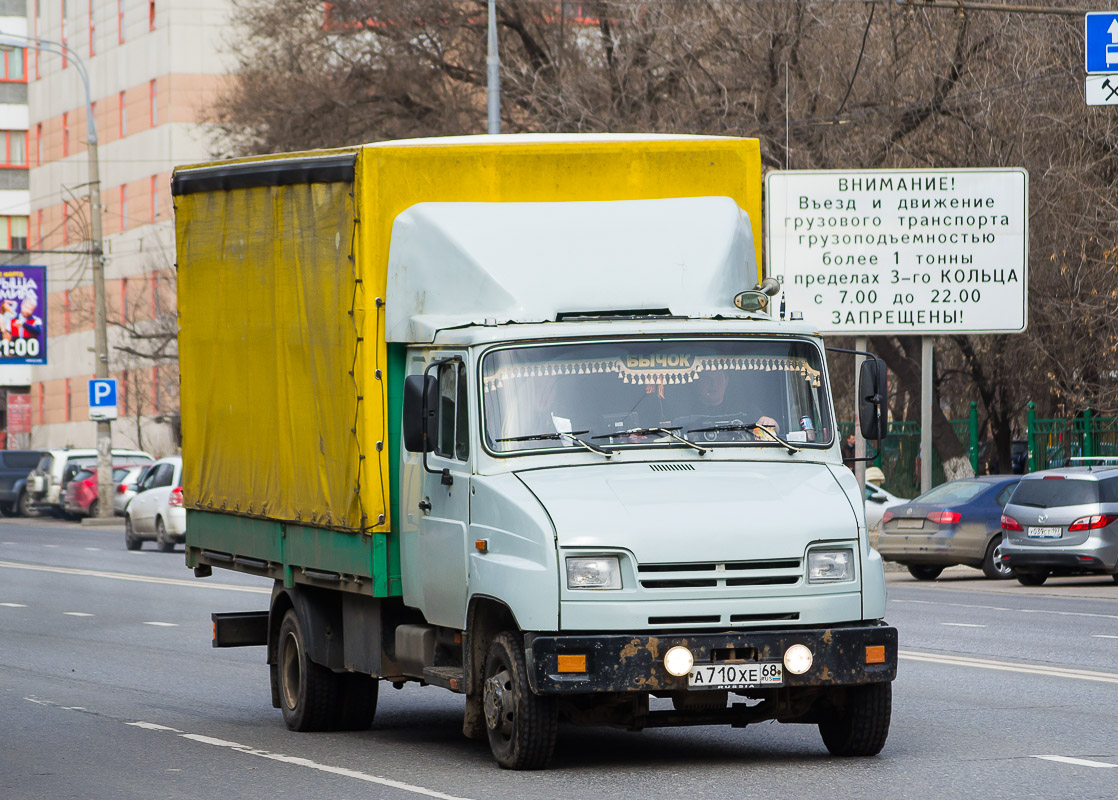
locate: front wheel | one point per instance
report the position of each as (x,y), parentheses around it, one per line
(992,564)
(860,723)
(924,572)
(164,542)
(521,726)
(1032,578)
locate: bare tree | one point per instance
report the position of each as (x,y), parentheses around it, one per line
(821,84)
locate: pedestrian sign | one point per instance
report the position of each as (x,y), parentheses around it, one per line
(1101,41)
(102,399)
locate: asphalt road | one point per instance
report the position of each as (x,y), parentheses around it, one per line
(109,689)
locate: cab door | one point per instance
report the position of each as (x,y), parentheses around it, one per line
(435,552)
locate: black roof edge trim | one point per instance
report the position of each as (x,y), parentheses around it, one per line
(278,172)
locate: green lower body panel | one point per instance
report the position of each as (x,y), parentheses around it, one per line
(292,553)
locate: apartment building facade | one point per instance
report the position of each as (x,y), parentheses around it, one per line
(154,68)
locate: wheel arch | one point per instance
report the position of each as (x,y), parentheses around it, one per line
(485,618)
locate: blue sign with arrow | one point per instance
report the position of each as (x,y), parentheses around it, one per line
(1101,41)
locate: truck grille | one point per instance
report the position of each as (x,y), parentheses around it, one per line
(730,573)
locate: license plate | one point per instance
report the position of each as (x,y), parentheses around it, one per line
(1045,533)
(736,676)
(910,524)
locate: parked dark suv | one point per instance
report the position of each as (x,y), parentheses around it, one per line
(1062,522)
(15,466)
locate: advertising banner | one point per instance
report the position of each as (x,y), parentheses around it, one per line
(902,251)
(23,315)
(19,413)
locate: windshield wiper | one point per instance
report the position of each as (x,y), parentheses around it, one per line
(670,432)
(559,436)
(751,428)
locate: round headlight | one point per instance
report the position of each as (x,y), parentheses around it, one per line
(797,659)
(678,661)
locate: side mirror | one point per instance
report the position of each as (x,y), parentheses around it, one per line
(873,411)
(421,393)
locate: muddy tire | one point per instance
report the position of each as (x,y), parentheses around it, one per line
(521,726)
(164,542)
(23,506)
(860,725)
(308,692)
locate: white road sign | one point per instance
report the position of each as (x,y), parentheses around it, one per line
(901,251)
(1101,90)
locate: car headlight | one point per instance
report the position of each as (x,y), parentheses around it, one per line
(830,566)
(597,572)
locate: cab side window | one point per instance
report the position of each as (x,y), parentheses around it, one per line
(453,439)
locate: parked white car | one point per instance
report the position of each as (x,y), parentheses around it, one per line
(877,502)
(156,512)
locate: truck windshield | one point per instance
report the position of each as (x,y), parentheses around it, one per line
(723,392)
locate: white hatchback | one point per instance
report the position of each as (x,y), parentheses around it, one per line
(156,512)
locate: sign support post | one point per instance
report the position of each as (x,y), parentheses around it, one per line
(926,399)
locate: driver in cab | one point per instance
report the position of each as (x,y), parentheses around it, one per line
(712,385)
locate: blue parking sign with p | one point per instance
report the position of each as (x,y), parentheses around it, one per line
(1101,41)
(102,399)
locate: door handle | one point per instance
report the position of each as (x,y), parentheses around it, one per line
(425,506)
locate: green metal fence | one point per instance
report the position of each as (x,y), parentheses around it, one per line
(1050,442)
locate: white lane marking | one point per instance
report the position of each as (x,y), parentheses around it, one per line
(13,605)
(124,576)
(962,625)
(280,757)
(1103,636)
(1002,608)
(76,614)
(93,549)
(1079,762)
(163,624)
(151,726)
(306,762)
(1008,666)
(51,545)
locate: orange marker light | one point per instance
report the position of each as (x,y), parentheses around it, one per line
(481,545)
(572,663)
(875,654)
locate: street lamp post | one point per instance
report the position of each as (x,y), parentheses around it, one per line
(100,332)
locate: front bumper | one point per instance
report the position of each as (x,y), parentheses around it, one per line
(627,663)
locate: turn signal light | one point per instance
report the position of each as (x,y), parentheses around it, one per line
(875,654)
(1092,522)
(572,663)
(1010,524)
(945,517)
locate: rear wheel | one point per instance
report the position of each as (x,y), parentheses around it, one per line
(1032,578)
(860,724)
(357,701)
(24,507)
(992,564)
(521,725)
(94,508)
(308,691)
(164,542)
(131,540)
(924,572)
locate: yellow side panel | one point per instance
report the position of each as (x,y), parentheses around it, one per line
(394,177)
(267,344)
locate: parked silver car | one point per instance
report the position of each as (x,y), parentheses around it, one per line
(1063,522)
(125,488)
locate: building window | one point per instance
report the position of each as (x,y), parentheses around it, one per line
(65,223)
(123,207)
(39,229)
(41,403)
(154,198)
(65,13)
(65,133)
(17,233)
(120,21)
(124,392)
(35,33)
(123,301)
(92,31)
(151,15)
(14,65)
(66,322)
(39,144)
(153,104)
(68,398)
(13,148)
(122,114)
